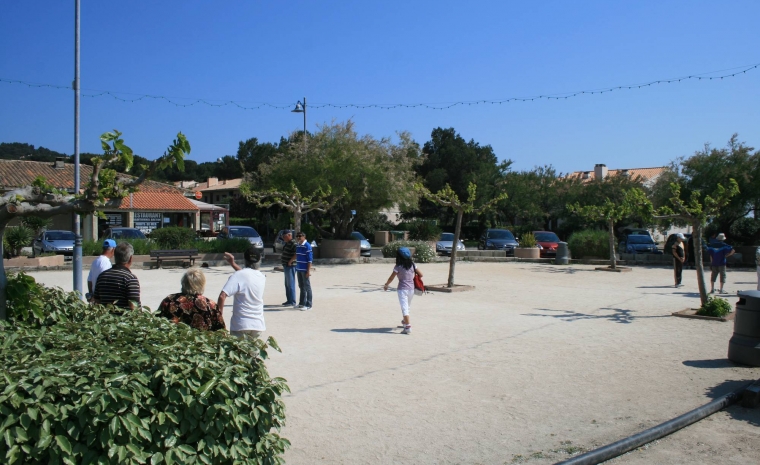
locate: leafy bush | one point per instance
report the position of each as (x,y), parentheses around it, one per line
(18,237)
(370,223)
(745,231)
(141,246)
(36,224)
(311,231)
(715,306)
(528,240)
(423,253)
(173,238)
(422,230)
(589,243)
(234,245)
(83,385)
(243,222)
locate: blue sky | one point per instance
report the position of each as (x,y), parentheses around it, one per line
(389,52)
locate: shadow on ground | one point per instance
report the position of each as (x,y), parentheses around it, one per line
(556,269)
(714,363)
(618,315)
(736,411)
(363,287)
(365,330)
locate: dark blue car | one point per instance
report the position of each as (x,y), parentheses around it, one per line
(638,243)
(498,239)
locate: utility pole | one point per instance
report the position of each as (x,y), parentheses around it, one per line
(77,258)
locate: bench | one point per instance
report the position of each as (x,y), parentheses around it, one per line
(160,255)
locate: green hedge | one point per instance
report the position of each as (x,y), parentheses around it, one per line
(82,385)
(141,246)
(144,246)
(234,245)
(172,238)
(715,306)
(423,253)
(590,243)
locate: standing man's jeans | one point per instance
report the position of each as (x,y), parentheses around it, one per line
(305,287)
(290,283)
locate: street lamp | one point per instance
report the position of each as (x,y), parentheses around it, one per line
(301,109)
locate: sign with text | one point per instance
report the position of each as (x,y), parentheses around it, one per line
(148,221)
(113,219)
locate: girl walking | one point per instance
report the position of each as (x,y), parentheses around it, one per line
(405,270)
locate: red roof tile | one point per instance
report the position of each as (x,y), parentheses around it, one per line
(646,174)
(157,201)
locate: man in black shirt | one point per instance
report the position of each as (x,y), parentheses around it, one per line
(288,261)
(118,286)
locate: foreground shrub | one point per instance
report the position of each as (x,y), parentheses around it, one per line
(423,253)
(86,386)
(18,237)
(589,243)
(173,238)
(715,306)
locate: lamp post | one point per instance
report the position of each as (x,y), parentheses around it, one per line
(301,109)
(77,253)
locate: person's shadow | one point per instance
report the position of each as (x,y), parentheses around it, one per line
(365,330)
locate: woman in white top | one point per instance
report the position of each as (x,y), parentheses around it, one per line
(405,270)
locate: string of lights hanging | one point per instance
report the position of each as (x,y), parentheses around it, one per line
(132,98)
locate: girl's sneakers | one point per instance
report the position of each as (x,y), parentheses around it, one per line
(407,329)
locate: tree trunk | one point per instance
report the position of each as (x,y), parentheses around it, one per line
(453,259)
(3,278)
(297,219)
(613,258)
(697,238)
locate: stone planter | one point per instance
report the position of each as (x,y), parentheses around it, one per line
(54,260)
(527,252)
(331,248)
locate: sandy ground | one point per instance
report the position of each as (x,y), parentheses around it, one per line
(538,362)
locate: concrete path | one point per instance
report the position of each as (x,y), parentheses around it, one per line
(539,362)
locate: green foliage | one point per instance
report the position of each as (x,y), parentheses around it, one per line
(24,299)
(424,252)
(87,386)
(35,223)
(423,230)
(18,237)
(311,232)
(369,223)
(715,306)
(528,240)
(744,231)
(234,245)
(243,222)
(589,243)
(172,238)
(142,246)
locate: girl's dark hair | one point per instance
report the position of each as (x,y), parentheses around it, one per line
(405,262)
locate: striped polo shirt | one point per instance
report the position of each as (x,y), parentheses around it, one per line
(117,286)
(303,256)
(288,250)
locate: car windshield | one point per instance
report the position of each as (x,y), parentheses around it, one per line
(60,236)
(358,236)
(500,234)
(243,232)
(640,240)
(447,237)
(127,234)
(546,237)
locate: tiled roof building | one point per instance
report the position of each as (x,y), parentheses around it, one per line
(600,171)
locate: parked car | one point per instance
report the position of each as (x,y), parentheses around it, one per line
(122,233)
(641,231)
(498,239)
(638,243)
(55,241)
(445,242)
(244,232)
(366,248)
(279,242)
(547,242)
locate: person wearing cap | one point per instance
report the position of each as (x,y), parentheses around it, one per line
(719,251)
(679,256)
(304,257)
(99,265)
(288,259)
(405,270)
(246,285)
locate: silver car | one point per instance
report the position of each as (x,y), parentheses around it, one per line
(55,241)
(366,249)
(243,232)
(444,244)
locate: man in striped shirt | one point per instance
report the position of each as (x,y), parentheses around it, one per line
(288,259)
(303,270)
(118,286)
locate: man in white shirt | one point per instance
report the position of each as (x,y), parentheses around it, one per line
(101,264)
(246,285)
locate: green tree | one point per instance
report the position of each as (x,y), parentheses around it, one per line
(451,160)
(374,173)
(697,210)
(448,198)
(251,154)
(105,189)
(293,200)
(634,201)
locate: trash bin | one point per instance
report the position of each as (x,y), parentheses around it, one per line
(563,254)
(744,346)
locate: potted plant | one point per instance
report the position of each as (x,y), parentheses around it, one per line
(528,247)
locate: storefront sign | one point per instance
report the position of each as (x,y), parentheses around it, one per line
(148,221)
(113,219)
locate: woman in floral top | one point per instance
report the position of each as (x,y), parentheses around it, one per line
(190,306)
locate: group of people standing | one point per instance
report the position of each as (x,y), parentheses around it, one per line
(718,250)
(118,286)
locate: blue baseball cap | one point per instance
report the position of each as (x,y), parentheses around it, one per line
(109,244)
(405,252)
